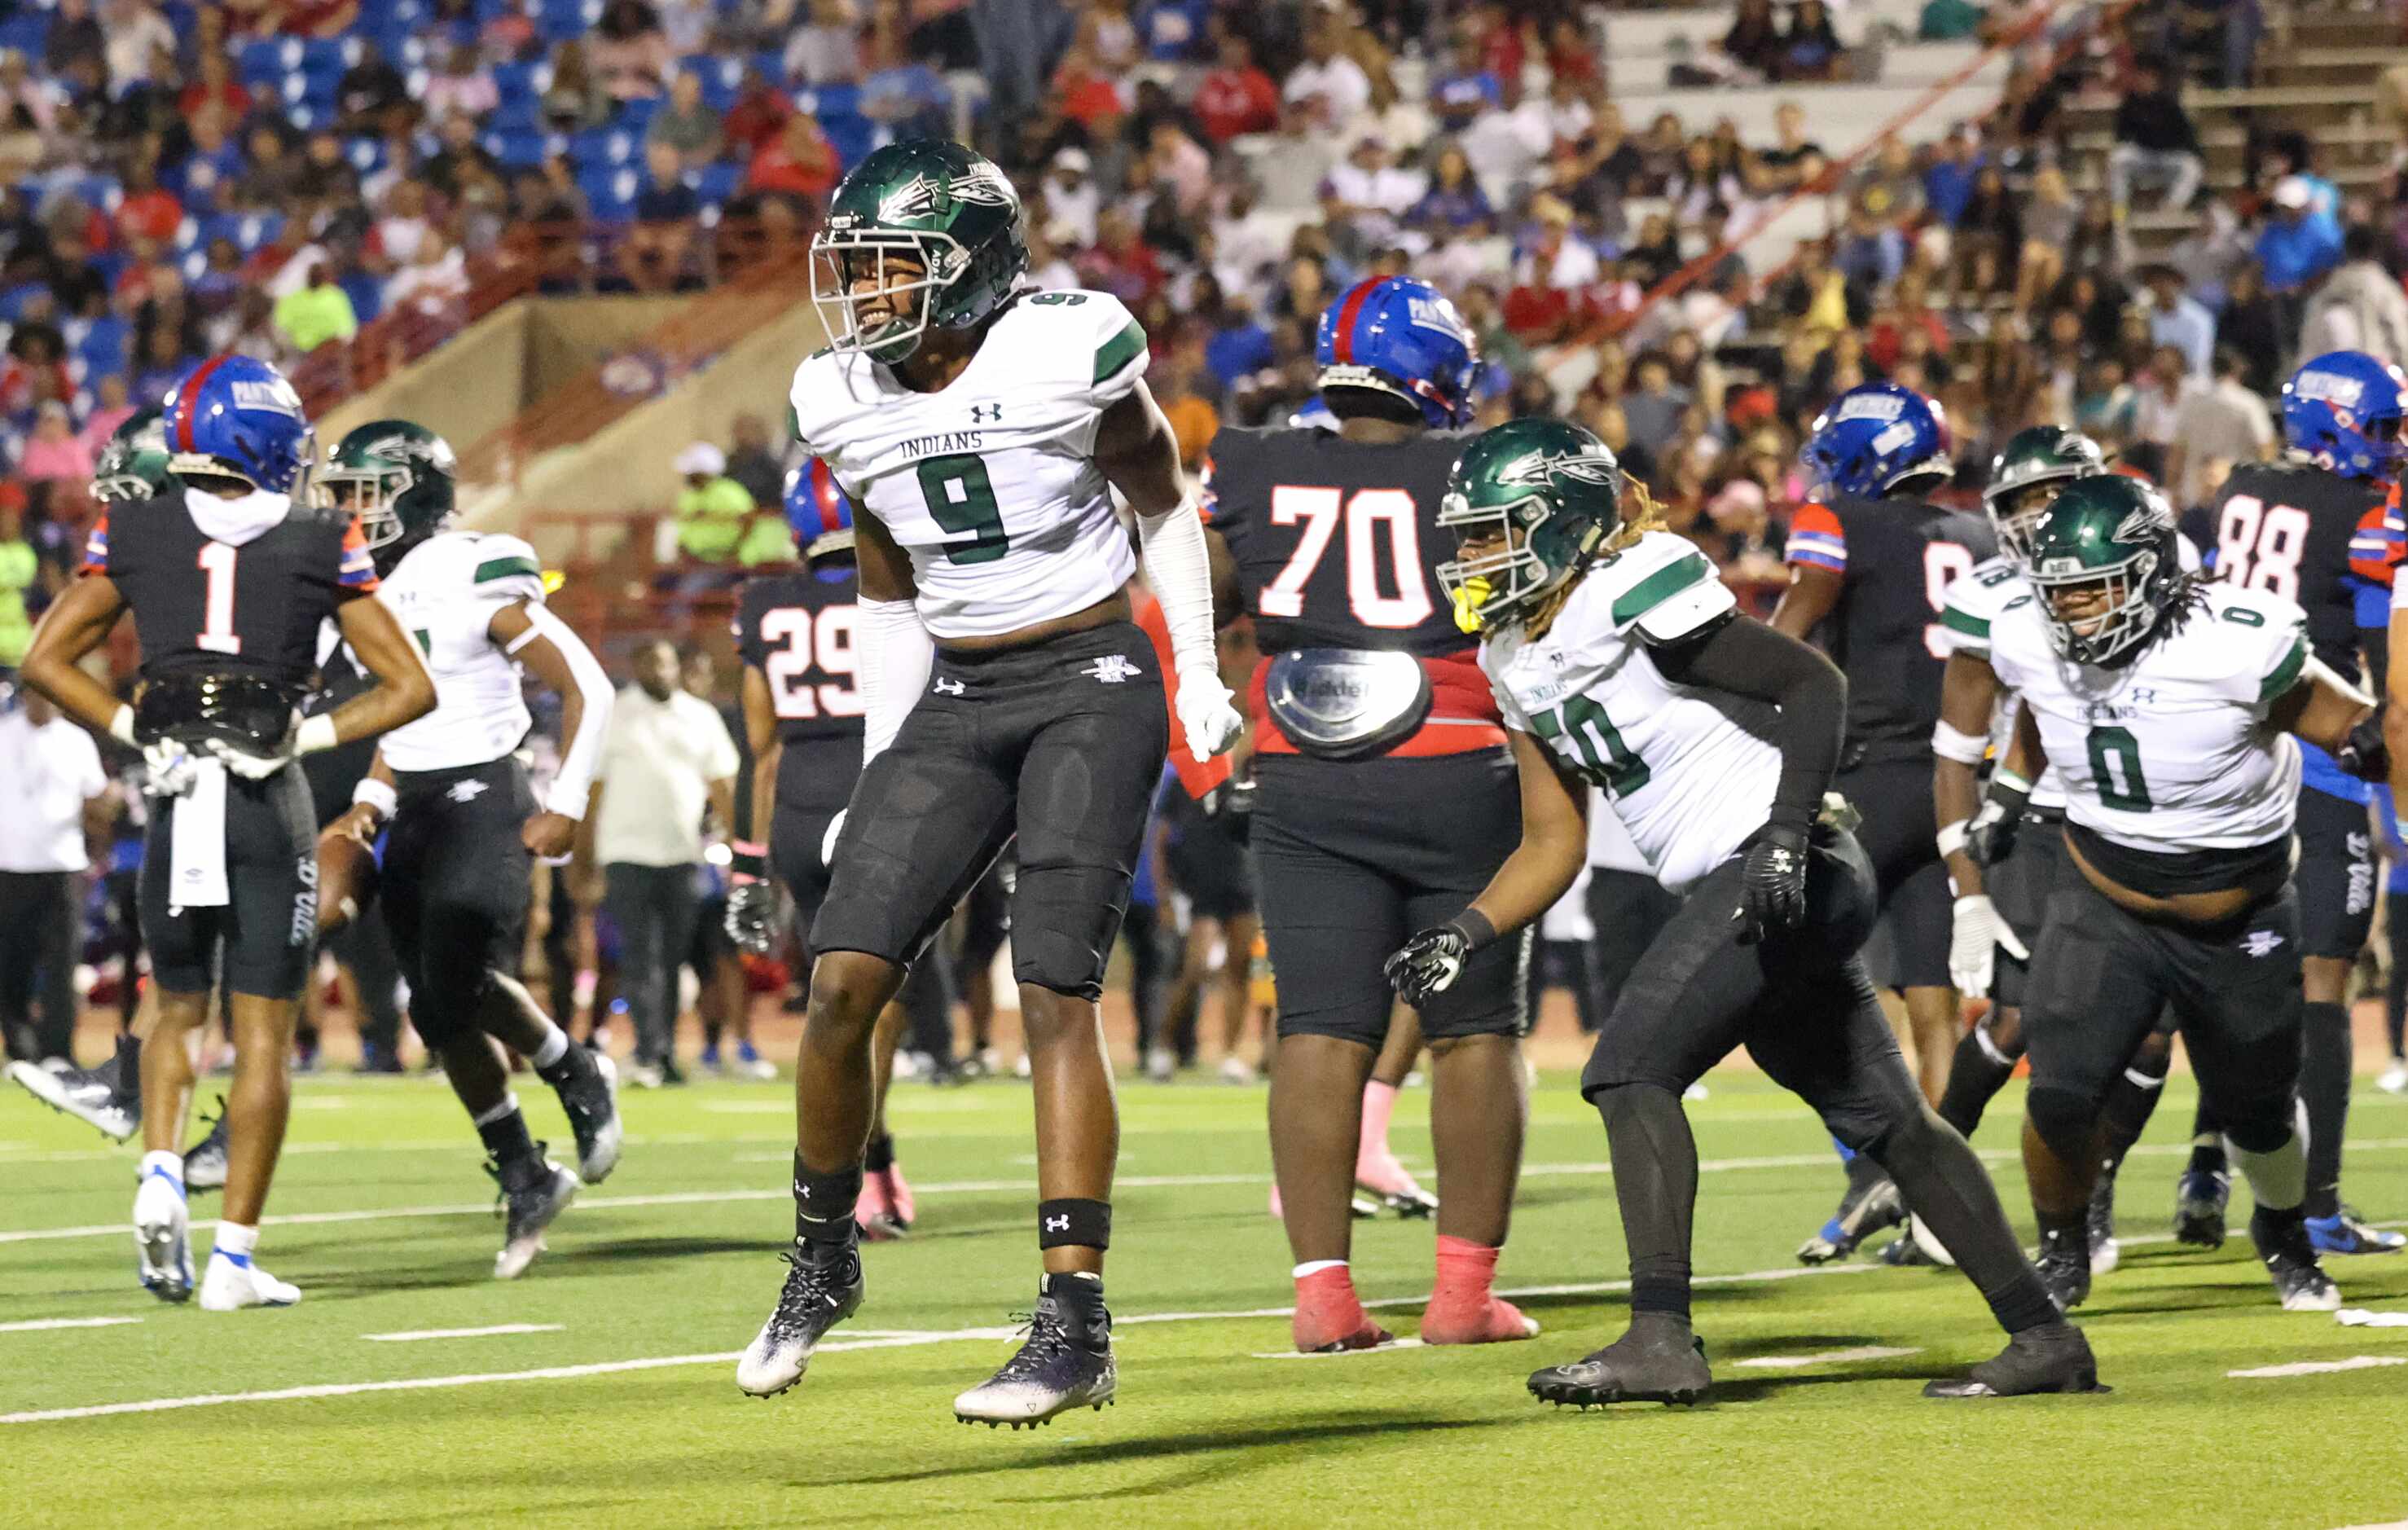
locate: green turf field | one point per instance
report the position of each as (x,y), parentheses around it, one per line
(622,1403)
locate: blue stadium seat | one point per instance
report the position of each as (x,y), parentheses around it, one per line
(610,193)
(188,234)
(830,101)
(366,155)
(26,31)
(519,82)
(715,183)
(522,116)
(637,115)
(104,343)
(262,60)
(772,65)
(108,265)
(851,136)
(520,151)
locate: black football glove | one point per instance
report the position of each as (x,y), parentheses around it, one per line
(1431,961)
(1772,883)
(751,917)
(1231,805)
(1990,836)
(2364,755)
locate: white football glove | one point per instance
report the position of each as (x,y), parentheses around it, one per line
(1206,716)
(249,766)
(827,840)
(170,766)
(1975,934)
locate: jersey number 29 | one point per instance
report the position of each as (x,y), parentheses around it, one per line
(805,645)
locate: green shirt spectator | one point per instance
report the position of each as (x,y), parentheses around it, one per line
(316,312)
(19,569)
(716,517)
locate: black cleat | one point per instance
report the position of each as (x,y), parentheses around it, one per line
(2290,1259)
(819,1294)
(2064,1267)
(533,1194)
(2104,1253)
(1869,1205)
(1064,1363)
(1665,1365)
(2054,1357)
(205,1162)
(99,1096)
(589,1097)
(2198,1207)
(1904,1252)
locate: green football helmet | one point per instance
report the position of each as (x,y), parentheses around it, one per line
(2114,535)
(937,206)
(399,478)
(2030,471)
(133,467)
(1547,494)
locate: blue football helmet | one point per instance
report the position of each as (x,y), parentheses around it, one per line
(1401,337)
(1875,439)
(237,417)
(819,512)
(2344,409)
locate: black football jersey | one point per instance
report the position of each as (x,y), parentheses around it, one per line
(1897,557)
(2315,538)
(1335,541)
(797,629)
(206,607)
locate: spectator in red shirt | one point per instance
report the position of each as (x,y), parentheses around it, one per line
(1236,96)
(216,84)
(1121,262)
(758,117)
(149,211)
(1086,96)
(799,162)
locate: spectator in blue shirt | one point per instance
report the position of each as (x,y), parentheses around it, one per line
(1948,185)
(1872,250)
(1239,346)
(2296,246)
(1454,200)
(1466,89)
(2178,319)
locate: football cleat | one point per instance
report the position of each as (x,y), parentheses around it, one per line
(2054,1357)
(205,1162)
(1663,1366)
(709,1061)
(2394,1080)
(1863,1212)
(751,1064)
(1057,1368)
(590,1098)
(542,1192)
(2346,1233)
(2064,1267)
(2290,1261)
(232,1282)
(94,1096)
(1161,1065)
(163,1235)
(1236,1071)
(1388,1181)
(2198,1207)
(2104,1254)
(873,1214)
(818,1294)
(1905,1251)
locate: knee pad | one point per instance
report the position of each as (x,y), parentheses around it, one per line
(2064,1119)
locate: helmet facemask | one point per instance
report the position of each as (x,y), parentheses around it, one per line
(2128,612)
(853,267)
(2015,511)
(1507,577)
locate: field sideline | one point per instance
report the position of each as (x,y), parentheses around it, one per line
(408,1388)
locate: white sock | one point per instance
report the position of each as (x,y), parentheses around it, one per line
(170,1164)
(554,1048)
(504,1111)
(233,1238)
(2279,1180)
(1314,1267)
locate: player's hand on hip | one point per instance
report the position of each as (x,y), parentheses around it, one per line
(360,823)
(248,765)
(1208,716)
(1427,964)
(1976,935)
(549,836)
(1772,883)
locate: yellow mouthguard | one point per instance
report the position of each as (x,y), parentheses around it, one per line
(1469,597)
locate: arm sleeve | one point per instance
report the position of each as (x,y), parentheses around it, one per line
(580,757)
(895,653)
(1746,658)
(1181,573)
(1816,537)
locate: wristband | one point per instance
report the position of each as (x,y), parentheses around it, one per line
(315,734)
(372,793)
(747,860)
(2004,779)
(1965,749)
(1475,928)
(1952,836)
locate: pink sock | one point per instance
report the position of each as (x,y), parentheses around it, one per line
(1379,1104)
(1466,1270)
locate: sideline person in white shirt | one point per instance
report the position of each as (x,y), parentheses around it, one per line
(52,777)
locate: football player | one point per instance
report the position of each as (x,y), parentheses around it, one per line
(1999,912)
(2311,528)
(2170,709)
(461,826)
(1870,565)
(980,432)
(228,575)
(1619,661)
(796,633)
(1384,798)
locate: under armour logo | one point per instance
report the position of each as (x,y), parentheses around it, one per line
(1111,668)
(1057,1224)
(985,414)
(467,791)
(2260,942)
(950,688)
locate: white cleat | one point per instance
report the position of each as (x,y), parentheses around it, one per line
(2395,1078)
(592,1105)
(234,1282)
(90,1094)
(1697,1092)
(163,1235)
(1236,1071)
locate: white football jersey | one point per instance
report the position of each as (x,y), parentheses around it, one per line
(991,483)
(2171,752)
(444,592)
(1690,772)
(1973,601)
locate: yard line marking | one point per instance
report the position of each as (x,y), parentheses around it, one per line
(1389,1348)
(414,1335)
(42,1325)
(2320,1367)
(748,1108)
(1828,1357)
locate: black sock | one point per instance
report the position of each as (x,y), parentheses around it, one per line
(823,1208)
(1975,1079)
(2206,1142)
(881,1154)
(1656,1181)
(2131,1100)
(2324,1088)
(508,1140)
(1938,1175)
(1080,1296)
(128,1062)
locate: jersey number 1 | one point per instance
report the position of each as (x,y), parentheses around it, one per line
(217,632)
(1364,514)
